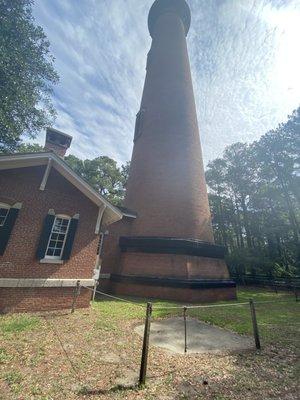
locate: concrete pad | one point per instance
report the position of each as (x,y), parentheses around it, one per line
(201,337)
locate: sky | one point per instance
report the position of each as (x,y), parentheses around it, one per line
(244,57)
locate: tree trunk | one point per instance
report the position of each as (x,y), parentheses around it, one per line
(246,222)
(222,224)
(286,195)
(239,226)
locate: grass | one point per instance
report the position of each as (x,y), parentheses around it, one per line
(276,321)
(18,323)
(83,355)
(3,356)
(14,380)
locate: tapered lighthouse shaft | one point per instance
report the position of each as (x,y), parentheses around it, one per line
(166,185)
(163,247)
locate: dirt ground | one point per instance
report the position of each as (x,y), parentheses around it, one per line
(93,355)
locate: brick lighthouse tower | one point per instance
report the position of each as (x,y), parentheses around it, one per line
(164,245)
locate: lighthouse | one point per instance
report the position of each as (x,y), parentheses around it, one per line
(164,246)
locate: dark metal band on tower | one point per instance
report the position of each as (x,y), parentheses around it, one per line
(168,250)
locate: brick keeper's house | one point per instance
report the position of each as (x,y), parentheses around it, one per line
(51,224)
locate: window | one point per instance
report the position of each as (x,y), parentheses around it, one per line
(57,238)
(4,209)
(139,124)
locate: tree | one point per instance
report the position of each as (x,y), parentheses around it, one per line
(103,174)
(278,155)
(125,172)
(255,201)
(216,178)
(29,148)
(26,75)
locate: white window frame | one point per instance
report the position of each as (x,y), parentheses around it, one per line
(7,207)
(61,216)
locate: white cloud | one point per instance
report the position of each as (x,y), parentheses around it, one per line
(244,59)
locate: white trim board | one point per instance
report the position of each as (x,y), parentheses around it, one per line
(46,175)
(36,283)
(99,219)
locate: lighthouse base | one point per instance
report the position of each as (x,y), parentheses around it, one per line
(188,291)
(185,270)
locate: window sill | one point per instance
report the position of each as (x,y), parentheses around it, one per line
(51,261)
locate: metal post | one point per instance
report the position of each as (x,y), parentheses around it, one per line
(94,291)
(185,331)
(76,294)
(144,360)
(254,323)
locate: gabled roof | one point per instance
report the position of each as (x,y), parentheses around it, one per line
(22,160)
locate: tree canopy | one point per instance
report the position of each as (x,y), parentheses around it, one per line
(26,75)
(29,148)
(255,201)
(103,174)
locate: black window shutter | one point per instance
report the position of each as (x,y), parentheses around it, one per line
(6,229)
(44,238)
(70,239)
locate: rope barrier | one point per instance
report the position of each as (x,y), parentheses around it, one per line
(221,305)
(74,368)
(201,306)
(115,297)
(180,307)
(161,307)
(274,302)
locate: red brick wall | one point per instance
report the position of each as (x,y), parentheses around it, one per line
(166,184)
(111,251)
(22,185)
(41,299)
(173,265)
(60,150)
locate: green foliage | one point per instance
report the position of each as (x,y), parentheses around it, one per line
(26,75)
(18,323)
(4,356)
(125,172)
(29,148)
(103,174)
(14,380)
(255,202)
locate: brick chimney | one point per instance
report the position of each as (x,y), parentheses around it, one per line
(57,141)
